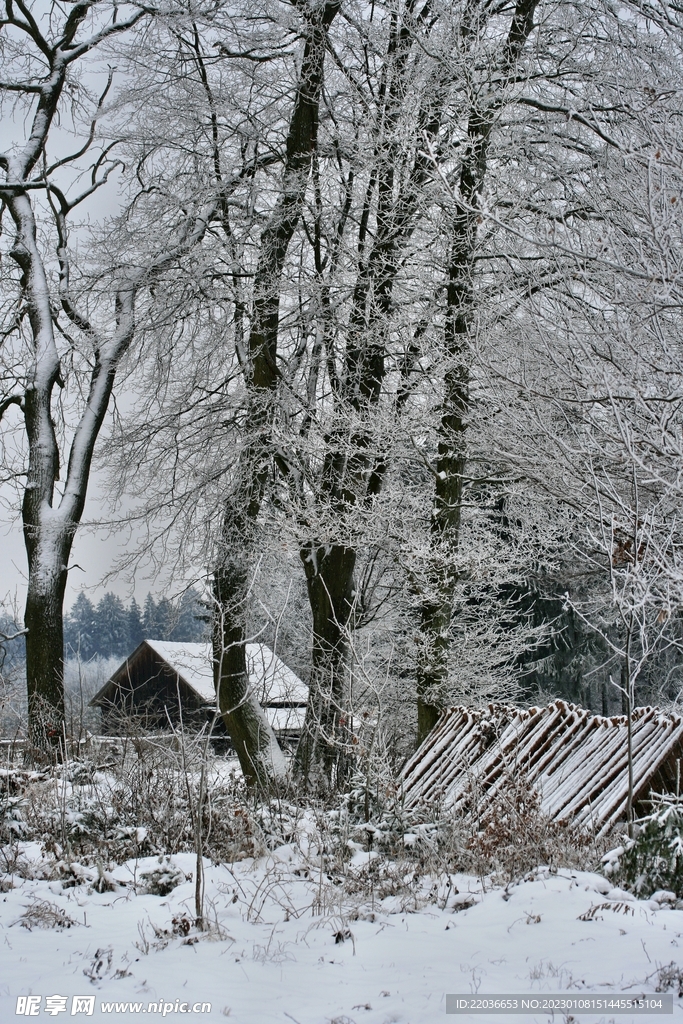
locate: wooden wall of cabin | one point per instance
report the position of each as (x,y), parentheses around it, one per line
(146,696)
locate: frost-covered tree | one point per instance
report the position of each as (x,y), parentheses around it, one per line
(111,625)
(80,629)
(192,622)
(590,372)
(39,53)
(63,343)
(531,214)
(412,188)
(135,628)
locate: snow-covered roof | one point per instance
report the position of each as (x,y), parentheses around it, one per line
(577,762)
(192,662)
(286,720)
(273,682)
(271,679)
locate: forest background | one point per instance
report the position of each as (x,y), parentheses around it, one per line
(374,329)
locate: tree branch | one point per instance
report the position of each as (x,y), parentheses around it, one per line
(20,87)
(571,115)
(6,637)
(91,136)
(7,402)
(73,53)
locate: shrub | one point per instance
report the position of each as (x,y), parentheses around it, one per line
(162,880)
(654,859)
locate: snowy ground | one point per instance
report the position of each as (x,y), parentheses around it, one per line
(287,947)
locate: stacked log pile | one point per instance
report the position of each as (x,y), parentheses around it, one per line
(577,762)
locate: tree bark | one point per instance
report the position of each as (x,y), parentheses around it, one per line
(256,745)
(261,759)
(436,612)
(432,677)
(353,474)
(321,754)
(43,618)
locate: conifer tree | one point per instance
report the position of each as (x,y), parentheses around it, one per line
(136,633)
(111,627)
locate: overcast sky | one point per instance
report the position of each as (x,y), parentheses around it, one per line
(95,552)
(94,555)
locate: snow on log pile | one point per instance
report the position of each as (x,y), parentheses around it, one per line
(576,761)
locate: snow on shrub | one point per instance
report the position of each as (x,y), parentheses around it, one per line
(653,860)
(162,880)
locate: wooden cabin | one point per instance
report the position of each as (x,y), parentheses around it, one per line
(161,681)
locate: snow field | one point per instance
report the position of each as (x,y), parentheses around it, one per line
(287,944)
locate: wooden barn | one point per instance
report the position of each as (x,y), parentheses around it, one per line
(160,680)
(576,762)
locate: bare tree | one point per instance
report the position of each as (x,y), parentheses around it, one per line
(40,54)
(486,99)
(246,720)
(384,190)
(510,253)
(315,378)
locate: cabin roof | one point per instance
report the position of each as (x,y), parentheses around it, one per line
(576,761)
(274,683)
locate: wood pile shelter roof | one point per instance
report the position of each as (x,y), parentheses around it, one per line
(576,761)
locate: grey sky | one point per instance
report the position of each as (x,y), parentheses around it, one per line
(94,554)
(95,551)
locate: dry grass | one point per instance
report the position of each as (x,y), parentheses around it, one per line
(43,914)
(145,803)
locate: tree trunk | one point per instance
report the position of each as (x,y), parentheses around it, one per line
(432,677)
(436,613)
(43,618)
(254,740)
(321,755)
(261,759)
(47,543)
